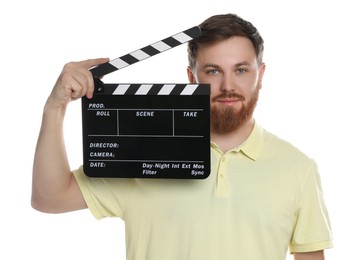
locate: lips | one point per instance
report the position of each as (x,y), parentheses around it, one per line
(228,100)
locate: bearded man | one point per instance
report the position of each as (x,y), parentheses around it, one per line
(262,197)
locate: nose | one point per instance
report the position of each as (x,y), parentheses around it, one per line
(227,84)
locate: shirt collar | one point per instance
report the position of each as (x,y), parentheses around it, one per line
(252,146)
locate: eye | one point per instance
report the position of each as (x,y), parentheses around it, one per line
(241,70)
(213,72)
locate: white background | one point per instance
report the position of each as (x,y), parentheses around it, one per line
(312,96)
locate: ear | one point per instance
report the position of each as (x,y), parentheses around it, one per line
(191,76)
(261,74)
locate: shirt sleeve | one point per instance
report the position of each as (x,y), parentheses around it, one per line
(105,197)
(312,230)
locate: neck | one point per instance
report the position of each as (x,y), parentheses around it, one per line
(228,141)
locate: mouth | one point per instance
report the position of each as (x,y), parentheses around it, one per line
(228,99)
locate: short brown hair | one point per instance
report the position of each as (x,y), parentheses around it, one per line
(221,27)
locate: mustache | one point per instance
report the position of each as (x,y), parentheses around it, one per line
(224,95)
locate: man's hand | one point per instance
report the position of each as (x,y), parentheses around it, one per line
(54,187)
(75,81)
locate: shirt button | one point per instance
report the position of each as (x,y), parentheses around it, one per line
(223,159)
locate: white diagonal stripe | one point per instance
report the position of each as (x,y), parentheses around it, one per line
(160,46)
(182,37)
(140,55)
(166,89)
(121,89)
(144,89)
(189,89)
(118,63)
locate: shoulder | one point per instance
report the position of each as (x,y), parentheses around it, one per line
(288,161)
(273,144)
(286,156)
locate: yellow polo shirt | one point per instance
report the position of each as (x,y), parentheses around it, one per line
(261,199)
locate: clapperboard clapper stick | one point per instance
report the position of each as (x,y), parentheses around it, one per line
(147,130)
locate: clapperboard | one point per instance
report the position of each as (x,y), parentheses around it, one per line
(147,130)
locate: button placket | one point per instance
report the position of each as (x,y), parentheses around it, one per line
(221,178)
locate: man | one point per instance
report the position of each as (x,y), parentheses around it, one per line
(262,197)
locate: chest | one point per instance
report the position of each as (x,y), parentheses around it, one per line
(242,197)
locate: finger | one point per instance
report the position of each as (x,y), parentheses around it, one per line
(89,64)
(94,62)
(77,90)
(90,88)
(83,82)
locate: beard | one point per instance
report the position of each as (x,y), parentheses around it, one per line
(227,119)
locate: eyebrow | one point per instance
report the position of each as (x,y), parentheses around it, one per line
(211,65)
(244,63)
